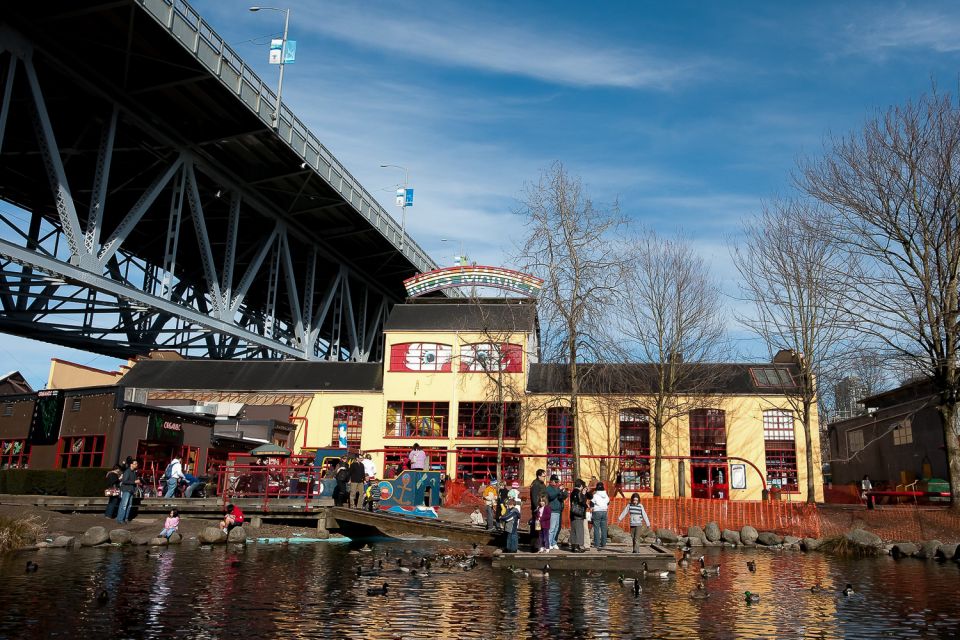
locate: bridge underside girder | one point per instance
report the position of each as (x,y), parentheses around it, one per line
(151,208)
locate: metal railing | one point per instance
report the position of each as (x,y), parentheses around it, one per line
(188,27)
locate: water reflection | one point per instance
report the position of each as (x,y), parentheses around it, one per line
(308,591)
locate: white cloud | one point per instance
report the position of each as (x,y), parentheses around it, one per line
(491,43)
(907,27)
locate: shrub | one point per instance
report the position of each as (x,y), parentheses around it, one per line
(18,532)
(49,482)
(845,547)
(85,482)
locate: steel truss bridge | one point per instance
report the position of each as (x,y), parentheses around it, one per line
(151,204)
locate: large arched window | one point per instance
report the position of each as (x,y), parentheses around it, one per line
(560,443)
(352,418)
(634,466)
(708,433)
(781,450)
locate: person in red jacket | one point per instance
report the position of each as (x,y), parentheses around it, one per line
(233,518)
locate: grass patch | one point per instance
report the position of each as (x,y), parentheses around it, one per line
(846,548)
(19,532)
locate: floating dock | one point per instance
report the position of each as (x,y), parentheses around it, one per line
(614,558)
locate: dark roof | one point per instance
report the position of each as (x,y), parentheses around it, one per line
(919,388)
(707,378)
(255,375)
(508,314)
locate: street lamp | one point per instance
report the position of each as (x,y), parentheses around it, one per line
(403,203)
(283,54)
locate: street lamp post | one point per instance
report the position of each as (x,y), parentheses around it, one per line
(403,204)
(283,54)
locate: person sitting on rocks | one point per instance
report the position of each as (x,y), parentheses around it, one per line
(476,518)
(171,524)
(233,518)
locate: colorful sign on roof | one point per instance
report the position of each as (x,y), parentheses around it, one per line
(473,276)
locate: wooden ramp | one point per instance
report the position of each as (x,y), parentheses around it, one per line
(614,558)
(357,523)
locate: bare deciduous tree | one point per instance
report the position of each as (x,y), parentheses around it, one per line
(570,244)
(895,187)
(793,272)
(672,320)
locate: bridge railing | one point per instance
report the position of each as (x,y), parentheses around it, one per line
(188,27)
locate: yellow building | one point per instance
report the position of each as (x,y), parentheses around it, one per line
(454,368)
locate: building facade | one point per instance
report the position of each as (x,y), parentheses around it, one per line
(455,370)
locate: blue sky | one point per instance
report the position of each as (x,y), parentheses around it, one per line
(689,113)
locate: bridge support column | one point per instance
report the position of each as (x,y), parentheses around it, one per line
(322,531)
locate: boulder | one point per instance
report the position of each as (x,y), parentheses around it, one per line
(769,539)
(175,538)
(791,540)
(63,541)
(810,544)
(728,535)
(695,542)
(696,532)
(904,550)
(211,535)
(237,534)
(142,538)
(712,531)
(864,538)
(667,536)
(748,535)
(929,549)
(120,536)
(947,552)
(94,536)
(159,541)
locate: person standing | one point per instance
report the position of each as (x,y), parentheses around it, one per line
(417,458)
(490,502)
(578,516)
(511,520)
(555,497)
(174,475)
(357,477)
(865,488)
(128,485)
(112,491)
(341,495)
(542,523)
(601,502)
(638,518)
(538,488)
(368,467)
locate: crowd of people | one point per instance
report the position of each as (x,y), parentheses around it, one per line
(587,505)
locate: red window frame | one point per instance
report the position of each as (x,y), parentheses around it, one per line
(780,448)
(560,443)
(399,357)
(13,458)
(474,360)
(353,416)
(415,419)
(393,456)
(80,451)
(479,420)
(480,463)
(708,433)
(634,444)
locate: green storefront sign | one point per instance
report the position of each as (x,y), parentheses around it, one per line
(162,429)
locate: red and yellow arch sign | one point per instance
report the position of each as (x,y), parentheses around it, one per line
(473,276)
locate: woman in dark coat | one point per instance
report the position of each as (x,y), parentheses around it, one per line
(111,489)
(578,515)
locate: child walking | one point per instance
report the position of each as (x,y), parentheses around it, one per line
(510,520)
(638,518)
(171,524)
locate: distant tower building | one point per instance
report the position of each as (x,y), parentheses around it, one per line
(846,393)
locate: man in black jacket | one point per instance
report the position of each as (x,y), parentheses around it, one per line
(340,494)
(358,474)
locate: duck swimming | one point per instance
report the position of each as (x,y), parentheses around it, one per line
(625,581)
(700,593)
(848,590)
(751,597)
(654,574)
(377,591)
(817,588)
(752,566)
(32,566)
(707,571)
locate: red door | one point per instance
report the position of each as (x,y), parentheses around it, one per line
(710,481)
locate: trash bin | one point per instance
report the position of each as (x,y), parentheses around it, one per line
(935,485)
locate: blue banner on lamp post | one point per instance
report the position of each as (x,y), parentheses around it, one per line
(408,198)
